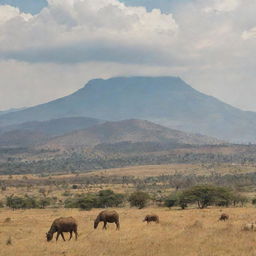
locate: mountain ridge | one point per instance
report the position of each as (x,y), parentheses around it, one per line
(132,130)
(168,101)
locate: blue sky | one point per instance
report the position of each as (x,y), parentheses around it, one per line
(34,6)
(211,44)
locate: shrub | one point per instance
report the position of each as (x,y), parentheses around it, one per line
(67,193)
(15,202)
(139,199)
(171,200)
(254,201)
(107,198)
(43,202)
(74,186)
(85,202)
(103,199)
(26,202)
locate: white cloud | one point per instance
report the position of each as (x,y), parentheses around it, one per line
(8,13)
(249,34)
(86,27)
(223,5)
(206,42)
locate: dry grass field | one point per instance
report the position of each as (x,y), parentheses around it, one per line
(139,172)
(189,232)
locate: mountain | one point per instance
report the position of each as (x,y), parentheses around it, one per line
(10,110)
(54,127)
(127,131)
(22,138)
(168,101)
(36,132)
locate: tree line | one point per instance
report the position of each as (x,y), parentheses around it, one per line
(200,196)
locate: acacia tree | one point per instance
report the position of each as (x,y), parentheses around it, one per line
(205,195)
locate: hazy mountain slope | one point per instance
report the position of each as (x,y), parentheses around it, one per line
(166,100)
(127,130)
(22,138)
(3,112)
(54,127)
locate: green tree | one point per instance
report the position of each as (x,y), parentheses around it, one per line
(139,199)
(107,198)
(43,202)
(205,195)
(84,202)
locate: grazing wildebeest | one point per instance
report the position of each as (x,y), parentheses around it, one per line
(107,216)
(60,225)
(151,218)
(249,227)
(224,217)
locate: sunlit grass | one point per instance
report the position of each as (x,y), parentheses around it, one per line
(189,232)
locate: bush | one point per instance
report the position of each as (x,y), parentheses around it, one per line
(254,201)
(1,204)
(171,200)
(107,198)
(139,199)
(84,202)
(67,193)
(43,202)
(74,186)
(103,199)
(26,202)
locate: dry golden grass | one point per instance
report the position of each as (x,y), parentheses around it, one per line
(189,232)
(149,170)
(136,171)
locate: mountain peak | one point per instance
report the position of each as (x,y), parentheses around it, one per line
(170,81)
(168,101)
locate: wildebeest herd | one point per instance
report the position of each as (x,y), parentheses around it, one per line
(69,224)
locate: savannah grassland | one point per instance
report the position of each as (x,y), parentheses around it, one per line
(190,232)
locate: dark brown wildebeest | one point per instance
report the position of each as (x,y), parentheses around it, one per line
(60,225)
(107,216)
(151,218)
(224,217)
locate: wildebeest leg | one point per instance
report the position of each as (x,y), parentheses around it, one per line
(62,236)
(70,235)
(76,234)
(57,237)
(117,225)
(105,225)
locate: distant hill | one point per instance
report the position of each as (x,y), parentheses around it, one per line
(22,138)
(54,127)
(168,101)
(127,131)
(36,132)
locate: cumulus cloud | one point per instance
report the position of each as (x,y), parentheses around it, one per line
(223,6)
(209,43)
(8,13)
(249,34)
(85,30)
